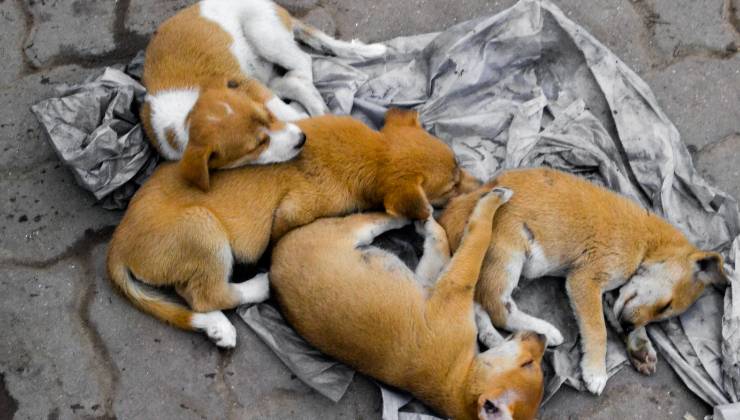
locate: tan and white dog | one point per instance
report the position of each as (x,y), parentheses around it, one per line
(412,330)
(175,234)
(244,46)
(559,224)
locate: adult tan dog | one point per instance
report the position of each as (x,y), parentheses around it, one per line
(559,224)
(363,306)
(175,234)
(231,45)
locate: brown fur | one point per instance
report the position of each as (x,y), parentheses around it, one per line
(598,239)
(364,308)
(176,235)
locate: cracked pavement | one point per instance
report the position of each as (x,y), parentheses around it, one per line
(73,348)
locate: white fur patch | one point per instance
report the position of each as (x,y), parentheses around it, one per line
(169,111)
(283,145)
(233,16)
(216,326)
(538,264)
(254,290)
(283,111)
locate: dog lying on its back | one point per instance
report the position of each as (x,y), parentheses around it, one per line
(231,45)
(363,306)
(558,224)
(174,234)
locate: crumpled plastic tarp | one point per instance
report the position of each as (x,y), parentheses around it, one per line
(526,87)
(94,128)
(529,87)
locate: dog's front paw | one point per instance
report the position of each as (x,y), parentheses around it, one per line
(554,337)
(594,379)
(490,338)
(643,356)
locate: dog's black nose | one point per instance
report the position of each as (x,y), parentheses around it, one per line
(301,141)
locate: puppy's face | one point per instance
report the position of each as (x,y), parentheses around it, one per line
(509,383)
(423,169)
(665,285)
(229,130)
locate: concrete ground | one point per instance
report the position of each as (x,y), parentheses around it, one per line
(72,348)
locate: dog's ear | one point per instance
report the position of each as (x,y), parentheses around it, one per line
(407,199)
(709,268)
(194,166)
(402,118)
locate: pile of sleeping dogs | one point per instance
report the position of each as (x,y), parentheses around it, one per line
(251,173)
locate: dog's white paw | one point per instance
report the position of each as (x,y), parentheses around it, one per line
(254,290)
(217,327)
(643,356)
(369,50)
(490,338)
(595,379)
(554,337)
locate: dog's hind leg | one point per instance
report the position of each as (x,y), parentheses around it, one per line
(452,296)
(371,225)
(324,43)
(209,291)
(276,44)
(436,252)
(500,276)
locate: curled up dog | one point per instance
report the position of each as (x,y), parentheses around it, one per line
(559,224)
(214,58)
(186,226)
(413,330)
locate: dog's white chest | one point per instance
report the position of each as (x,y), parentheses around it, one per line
(537,264)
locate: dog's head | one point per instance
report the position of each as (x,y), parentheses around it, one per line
(508,381)
(228,130)
(666,283)
(421,169)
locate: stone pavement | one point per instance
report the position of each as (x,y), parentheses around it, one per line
(72,348)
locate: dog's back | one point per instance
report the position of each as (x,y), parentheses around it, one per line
(376,301)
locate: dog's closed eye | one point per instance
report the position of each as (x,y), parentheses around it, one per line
(665,307)
(527,364)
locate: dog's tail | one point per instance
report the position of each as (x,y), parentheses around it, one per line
(322,42)
(148,301)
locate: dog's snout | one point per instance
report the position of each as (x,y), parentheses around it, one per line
(301,140)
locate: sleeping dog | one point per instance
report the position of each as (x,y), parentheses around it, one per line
(244,46)
(177,234)
(559,224)
(412,330)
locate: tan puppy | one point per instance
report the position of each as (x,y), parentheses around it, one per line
(176,235)
(559,224)
(363,306)
(231,45)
